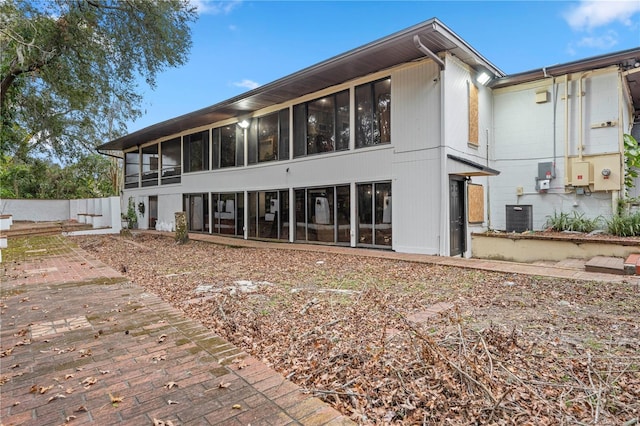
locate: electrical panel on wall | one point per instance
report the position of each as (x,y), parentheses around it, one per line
(580,173)
(606,172)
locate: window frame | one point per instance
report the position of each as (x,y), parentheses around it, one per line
(301,125)
(375,115)
(188,142)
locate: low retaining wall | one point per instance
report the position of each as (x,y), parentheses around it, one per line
(98,212)
(532,247)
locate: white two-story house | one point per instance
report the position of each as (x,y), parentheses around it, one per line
(410,143)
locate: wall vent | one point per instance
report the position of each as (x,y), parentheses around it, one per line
(519,218)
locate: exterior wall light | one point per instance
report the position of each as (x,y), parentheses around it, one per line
(244,124)
(483,78)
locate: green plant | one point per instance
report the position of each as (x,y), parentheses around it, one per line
(132,217)
(565,222)
(141,208)
(624,225)
(631,160)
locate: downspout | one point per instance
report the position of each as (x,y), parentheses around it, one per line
(424,49)
(622,193)
(566,129)
(488,184)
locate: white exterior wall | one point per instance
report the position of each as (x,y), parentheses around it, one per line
(412,162)
(526,133)
(36,210)
(417,177)
(458,78)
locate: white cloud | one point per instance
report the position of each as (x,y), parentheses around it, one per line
(246,83)
(211,7)
(603,42)
(589,14)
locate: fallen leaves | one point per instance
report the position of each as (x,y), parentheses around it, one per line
(507,354)
(157,422)
(88,382)
(115,399)
(55,397)
(40,389)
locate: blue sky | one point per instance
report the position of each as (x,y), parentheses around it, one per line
(239,45)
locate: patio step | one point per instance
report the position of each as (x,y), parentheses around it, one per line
(632,264)
(23,229)
(607,265)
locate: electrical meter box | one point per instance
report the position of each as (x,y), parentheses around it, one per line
(580,173)
(606,172)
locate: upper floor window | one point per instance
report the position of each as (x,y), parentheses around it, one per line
(321,125)
(228,146)
(268,137)
(170,161)
(150,165)
(373,113)
(196,151)
(131,169)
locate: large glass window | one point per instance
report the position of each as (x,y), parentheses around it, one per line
(269,214)
(228,146)
(374,214)
(283,140)
(150,165)
(322,125)
(196,152)
(227,213)
(268,137)
(131,169)
(323,214)
(343,213)
(373,113)
(268,132)
(170,151)
(197,208)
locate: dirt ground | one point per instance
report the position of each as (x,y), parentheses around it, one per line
(386,341)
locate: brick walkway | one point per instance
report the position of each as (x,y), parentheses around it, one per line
(82,345)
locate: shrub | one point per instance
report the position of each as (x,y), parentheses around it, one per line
(624,225)
(578,223)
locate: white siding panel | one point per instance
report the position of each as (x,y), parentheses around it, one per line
(456,106)
(168,205)
(415,107)
(416,202)
(361,165)
(601,105)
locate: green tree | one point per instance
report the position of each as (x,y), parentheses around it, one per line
(88,177)
(69,70)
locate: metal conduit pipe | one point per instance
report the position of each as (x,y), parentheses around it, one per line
(580,115)
(566,129)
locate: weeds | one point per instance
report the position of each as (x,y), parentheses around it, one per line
(577,222)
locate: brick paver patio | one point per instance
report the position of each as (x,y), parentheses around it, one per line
(82,345)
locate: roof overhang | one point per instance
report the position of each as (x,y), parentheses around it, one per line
(627,60)
(387,52)
(463,167)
